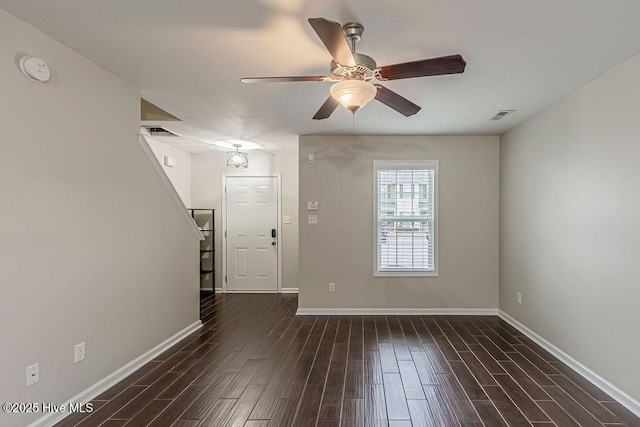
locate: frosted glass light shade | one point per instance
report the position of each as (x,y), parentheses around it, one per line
(353,94)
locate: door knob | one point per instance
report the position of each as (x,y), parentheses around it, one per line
(273,243)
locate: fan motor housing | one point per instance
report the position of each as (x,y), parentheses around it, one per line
(353,30)
(363,70)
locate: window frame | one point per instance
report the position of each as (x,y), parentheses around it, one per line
(405,165)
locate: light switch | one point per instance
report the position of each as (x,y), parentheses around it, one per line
(312,206)
(311,157)
(313,219)
(169,161)
(286,219)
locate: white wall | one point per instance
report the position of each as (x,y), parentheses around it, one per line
(180,174)
(570,224)
(92,246)
(340,247)
(206,180)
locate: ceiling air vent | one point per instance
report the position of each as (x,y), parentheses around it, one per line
(501,114)
(158,131)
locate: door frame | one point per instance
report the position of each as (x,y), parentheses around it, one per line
(278,177)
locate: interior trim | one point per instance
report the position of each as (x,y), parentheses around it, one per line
(250,292)
(167,183)
(112,379)
(623,398)
(395,311)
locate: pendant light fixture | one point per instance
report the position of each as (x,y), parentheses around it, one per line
(237,159)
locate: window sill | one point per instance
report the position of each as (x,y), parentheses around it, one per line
(405,274)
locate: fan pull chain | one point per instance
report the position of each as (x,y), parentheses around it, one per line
(353,127)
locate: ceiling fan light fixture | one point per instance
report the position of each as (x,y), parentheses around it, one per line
(353,94)
(354,72)
(237,159)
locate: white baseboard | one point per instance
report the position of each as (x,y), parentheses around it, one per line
(249,292)
(395,311)
(115,377)
(282,291)
(623,398)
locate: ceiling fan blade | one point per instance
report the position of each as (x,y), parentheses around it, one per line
(285,79)
(327,108)
(400,104)
(452,64)
(333,38)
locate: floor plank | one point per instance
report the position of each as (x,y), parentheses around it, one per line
(411,380)
(557,414)
(148,413)
(590,404)
(309,406)
(372,368)
(522,400)
(468,381)
(567,403)
(334,385)
(388,358)
(394,397)
(269,399)
(479,371)
(420,413)
(354,381)
(375,407)
(284,412)
(440,409)
(531,387)
(489,414)
(457,398)
(353,412)
(505,406)
(625,415)
(244,405)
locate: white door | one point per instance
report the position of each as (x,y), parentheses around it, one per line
(252,233)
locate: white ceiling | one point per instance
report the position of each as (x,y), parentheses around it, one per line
(187,58)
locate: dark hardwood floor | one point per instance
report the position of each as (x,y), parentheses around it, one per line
(256,364)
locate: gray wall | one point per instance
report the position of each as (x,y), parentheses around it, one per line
(92,246)
(180,174)
(206,191)
(570,224)
(340,247)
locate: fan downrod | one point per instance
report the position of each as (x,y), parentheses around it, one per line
(353,31)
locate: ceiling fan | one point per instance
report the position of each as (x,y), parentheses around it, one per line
(353,72)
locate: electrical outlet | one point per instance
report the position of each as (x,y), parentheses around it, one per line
(313,219)
(79,353)
(33,374)
(332,287)
(519,298)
